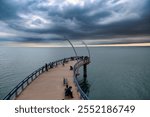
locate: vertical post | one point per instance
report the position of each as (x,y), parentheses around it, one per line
(22,87)
(85,71)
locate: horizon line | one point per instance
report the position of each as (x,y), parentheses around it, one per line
(66,46)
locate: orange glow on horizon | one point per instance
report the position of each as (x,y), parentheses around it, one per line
(18,44)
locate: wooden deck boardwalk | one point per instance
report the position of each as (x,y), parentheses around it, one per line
(49,85)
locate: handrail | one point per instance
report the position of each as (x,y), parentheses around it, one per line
(24,83)
(85,60)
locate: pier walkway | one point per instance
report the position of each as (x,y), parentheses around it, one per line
(49,85)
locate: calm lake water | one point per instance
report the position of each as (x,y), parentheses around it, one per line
(114,73)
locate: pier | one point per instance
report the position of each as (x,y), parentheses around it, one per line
(47,83)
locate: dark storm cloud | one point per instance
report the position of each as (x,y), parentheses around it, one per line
(7,10)
(84,19)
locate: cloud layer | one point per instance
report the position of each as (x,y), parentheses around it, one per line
(43,20)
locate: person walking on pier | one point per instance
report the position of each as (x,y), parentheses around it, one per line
(71,68)
(65,81)
(46,67)
(66,89)
(68,92)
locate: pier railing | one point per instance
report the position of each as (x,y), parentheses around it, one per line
(24,83)
(81,62)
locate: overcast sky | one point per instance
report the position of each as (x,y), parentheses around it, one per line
(104,21)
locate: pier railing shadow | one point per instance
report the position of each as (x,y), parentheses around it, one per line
(29,79)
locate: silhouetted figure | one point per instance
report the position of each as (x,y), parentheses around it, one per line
(65,81)
(46,67)
(85,58)
(68,92)
(72,58)
(52,64)
(66,89)
(71,68)
(63,63)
